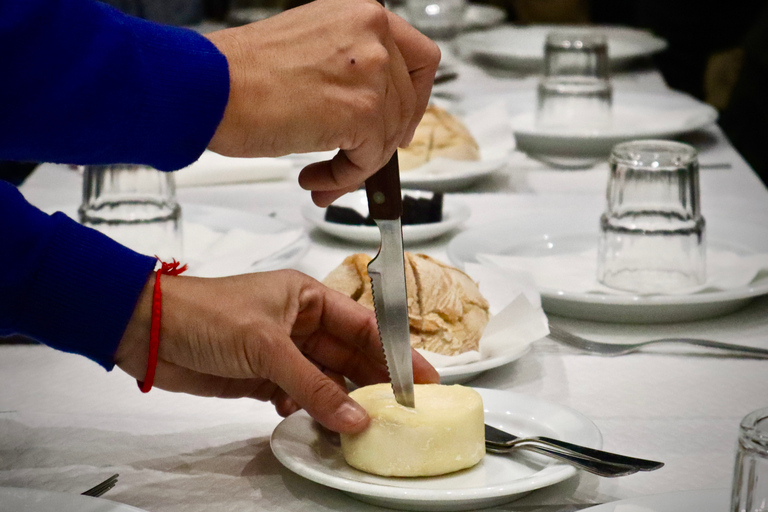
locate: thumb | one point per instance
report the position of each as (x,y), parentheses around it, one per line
(318,394)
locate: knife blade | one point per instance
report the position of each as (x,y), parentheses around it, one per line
(387,273)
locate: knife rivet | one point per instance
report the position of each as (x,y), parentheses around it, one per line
(379,197)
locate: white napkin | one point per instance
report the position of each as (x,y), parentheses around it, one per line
(577,272)
(491,129)
(214,169)
(211,253)
(517,319)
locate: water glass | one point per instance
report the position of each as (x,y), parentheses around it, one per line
(134,205)
(652,234)
(437,19)
(750,477)
(575,92)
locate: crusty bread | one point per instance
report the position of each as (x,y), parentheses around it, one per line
(447,314)
(439,135)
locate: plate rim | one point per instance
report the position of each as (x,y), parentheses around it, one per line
(560,471)
(476,43)
(750,291)
(709,496)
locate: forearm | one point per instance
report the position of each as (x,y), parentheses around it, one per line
(87,84)
(63,284)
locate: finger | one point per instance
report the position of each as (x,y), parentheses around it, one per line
(423,371)
(319,395)
(400,102)
(360,367)
(422,56)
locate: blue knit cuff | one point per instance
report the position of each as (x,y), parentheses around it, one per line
(83,292)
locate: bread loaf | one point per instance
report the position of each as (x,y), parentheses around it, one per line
(446,312)
(439,134)
(444,433)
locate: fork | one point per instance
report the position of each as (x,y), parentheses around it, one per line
(99,489)
(617,349)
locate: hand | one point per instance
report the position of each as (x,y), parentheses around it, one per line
(279,336)
(331,74)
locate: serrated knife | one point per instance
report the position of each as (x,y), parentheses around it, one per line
(387,273)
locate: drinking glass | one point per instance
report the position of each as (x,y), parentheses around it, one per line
(134,205)
(437,19)
(652,234)
(575,92)
(750,476)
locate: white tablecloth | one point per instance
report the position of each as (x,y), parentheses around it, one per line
(65,424)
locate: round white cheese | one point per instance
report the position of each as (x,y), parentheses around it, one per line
(444,433)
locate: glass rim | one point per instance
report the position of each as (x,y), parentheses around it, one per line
(653,154)
(751,429)
(575,40)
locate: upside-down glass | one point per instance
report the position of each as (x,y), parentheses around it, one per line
(750,477)
(134,205)
(575,93)
(438,19)
(652,234)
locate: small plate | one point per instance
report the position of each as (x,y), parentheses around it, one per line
(523,46)
(303,448)
(454,213)
(708,500)
(465,372)
(636,115)
(567,230)
(34,500)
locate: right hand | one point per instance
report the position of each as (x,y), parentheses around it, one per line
(331,74)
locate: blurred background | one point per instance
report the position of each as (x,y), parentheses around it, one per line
(716,53)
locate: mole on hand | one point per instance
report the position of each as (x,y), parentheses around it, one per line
(352,60)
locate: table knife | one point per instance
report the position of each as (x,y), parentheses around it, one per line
(387,273)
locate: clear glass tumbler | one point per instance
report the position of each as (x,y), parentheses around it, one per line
(750,477)
(575,92)
(652,234)
(437,19)
(134,205)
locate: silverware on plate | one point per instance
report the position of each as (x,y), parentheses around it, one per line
(590,459)
(99,489)
(617,349)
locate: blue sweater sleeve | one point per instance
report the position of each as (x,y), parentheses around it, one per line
(85,84)
(63,284)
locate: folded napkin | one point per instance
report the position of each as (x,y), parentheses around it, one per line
(211,253)
(214,169)
(517,319)
(577,272)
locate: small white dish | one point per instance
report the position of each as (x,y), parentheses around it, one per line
(476,16)
(515,46)
(707,500)
(636,115)
(454,213)
(34,500)
(462,373)
(559,231)
(303,448)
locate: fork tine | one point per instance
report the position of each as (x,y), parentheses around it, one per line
(99,489)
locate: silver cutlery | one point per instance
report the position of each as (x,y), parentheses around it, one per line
(617,349)
(99,489)
(590,459)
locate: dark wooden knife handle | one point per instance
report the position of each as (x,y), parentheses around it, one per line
(385,201)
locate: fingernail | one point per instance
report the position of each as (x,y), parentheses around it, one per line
(350,413)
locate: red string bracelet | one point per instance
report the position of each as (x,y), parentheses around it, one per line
(171,269)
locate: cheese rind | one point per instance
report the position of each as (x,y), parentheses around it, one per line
(444,433)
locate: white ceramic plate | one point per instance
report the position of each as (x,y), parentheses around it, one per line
(222,220)
(454,213)
(523,46)
(33,500)
(636,115)
(708,500)
(301,447)
(476,16)
(567,230)
(465,372)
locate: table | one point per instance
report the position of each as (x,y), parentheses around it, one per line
(65,424)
